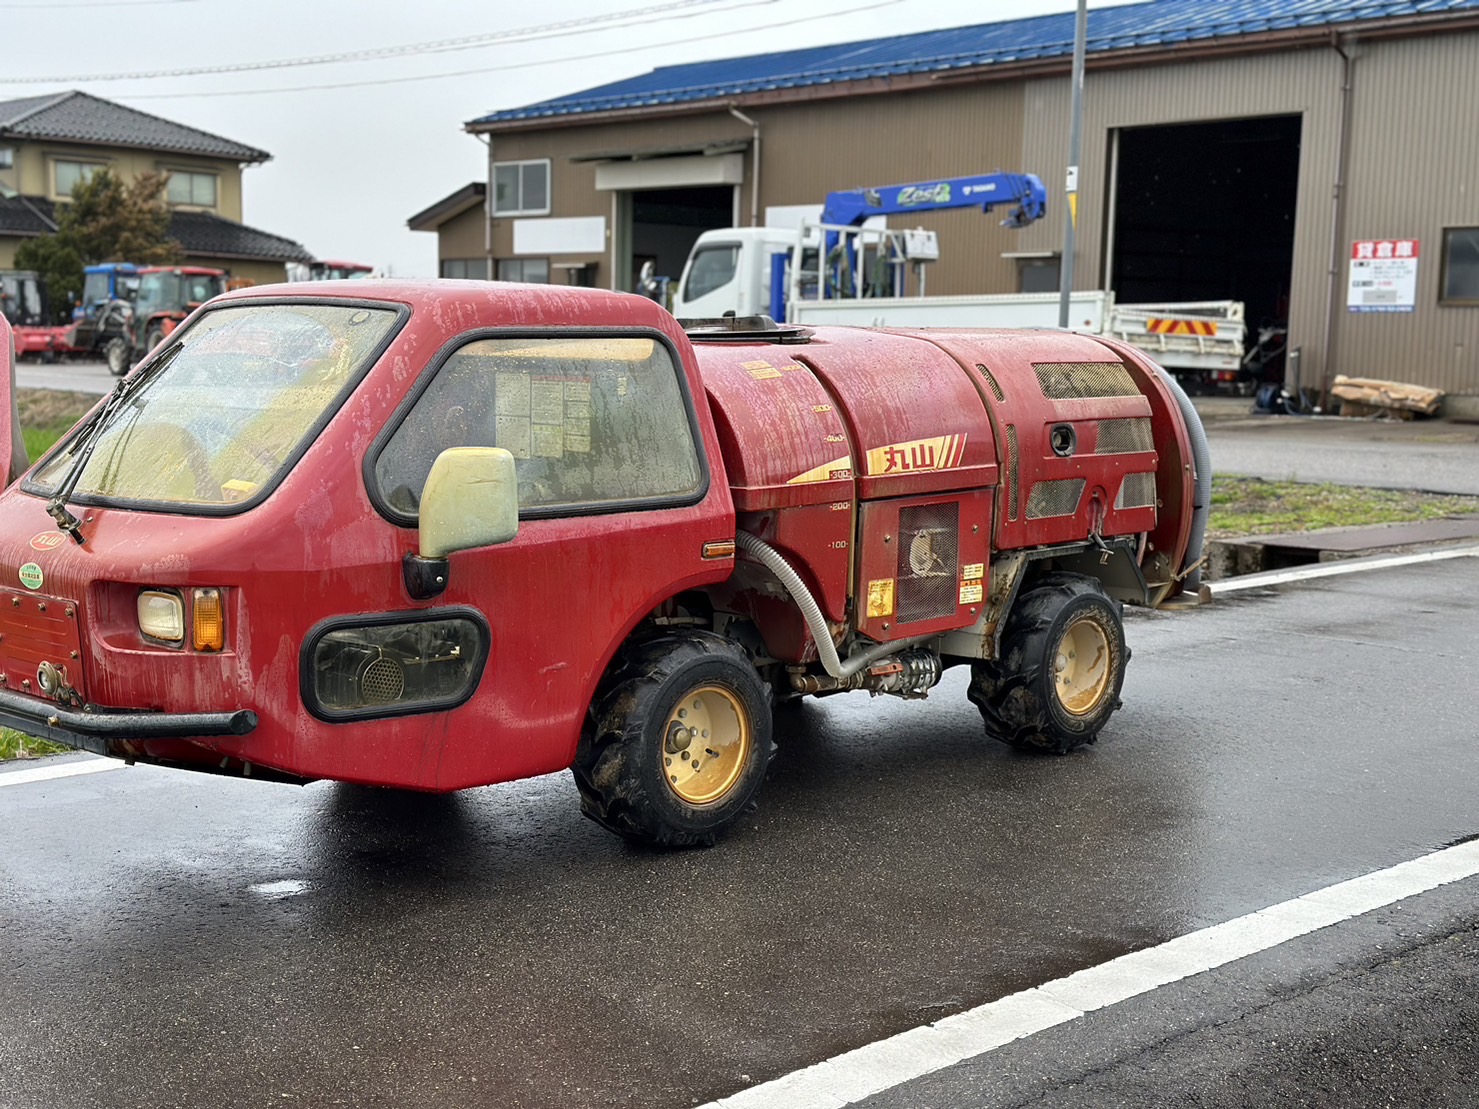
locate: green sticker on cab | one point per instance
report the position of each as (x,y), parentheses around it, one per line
(30,575)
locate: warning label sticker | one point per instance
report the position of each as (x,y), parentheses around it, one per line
(542,417)
(881,597)
(971,592)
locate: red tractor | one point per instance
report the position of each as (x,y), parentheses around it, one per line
(438,535)
(167,294)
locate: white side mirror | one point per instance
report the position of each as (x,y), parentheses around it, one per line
(471,499)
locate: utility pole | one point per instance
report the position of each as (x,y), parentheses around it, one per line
(1075,142)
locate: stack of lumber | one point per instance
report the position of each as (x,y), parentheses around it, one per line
(1369,396)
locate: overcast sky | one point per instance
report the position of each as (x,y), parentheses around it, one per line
(350,164)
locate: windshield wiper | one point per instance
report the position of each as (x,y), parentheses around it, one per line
(87,438)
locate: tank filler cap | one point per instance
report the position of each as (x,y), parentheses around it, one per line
(744,329)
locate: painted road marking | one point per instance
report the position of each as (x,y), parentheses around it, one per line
(851,1077)
(60,770)
(1332,569)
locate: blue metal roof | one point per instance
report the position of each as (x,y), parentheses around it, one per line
(1157,23)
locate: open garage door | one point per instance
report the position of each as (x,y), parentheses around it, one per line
(667,222)
(1205,211)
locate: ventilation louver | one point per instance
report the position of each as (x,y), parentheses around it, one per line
(1072,380)
(929,561)
(1055,498)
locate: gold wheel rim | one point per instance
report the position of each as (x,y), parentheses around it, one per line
(1082,666)
(706,744)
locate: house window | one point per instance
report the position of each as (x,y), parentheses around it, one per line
(1460,278)
(476,268)
(71,174)
(197,190)
(521,188)
(535,271)
(7,157)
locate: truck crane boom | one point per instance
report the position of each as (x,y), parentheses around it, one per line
(850,207)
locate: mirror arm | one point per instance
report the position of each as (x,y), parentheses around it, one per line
(425,577)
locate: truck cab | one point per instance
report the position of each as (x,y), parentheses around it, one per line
(728,272)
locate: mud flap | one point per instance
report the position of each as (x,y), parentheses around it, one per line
(13,461)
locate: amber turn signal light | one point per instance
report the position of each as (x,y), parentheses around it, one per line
(209,620)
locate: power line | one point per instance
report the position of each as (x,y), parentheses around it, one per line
(95,4)
(515,65)
(436,46)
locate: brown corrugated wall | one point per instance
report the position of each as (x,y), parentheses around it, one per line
(1412,169)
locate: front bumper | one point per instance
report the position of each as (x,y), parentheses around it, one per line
(92,730)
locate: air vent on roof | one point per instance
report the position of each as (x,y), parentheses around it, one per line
(744,329)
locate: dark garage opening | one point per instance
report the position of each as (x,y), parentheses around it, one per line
(666,222)
(1205,211)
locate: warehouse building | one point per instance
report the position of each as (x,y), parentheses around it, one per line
(1316,160)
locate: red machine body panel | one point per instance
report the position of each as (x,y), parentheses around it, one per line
(888,469)
(318,549)
(918,424)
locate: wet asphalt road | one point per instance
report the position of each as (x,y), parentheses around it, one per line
(1433,456)
(181,940)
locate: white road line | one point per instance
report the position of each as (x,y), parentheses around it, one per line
(1331,569)
(60,770)
(855,1075)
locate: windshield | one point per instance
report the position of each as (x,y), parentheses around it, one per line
(712,268)
(95,288)
(224,416)
(20,300)
(159,292)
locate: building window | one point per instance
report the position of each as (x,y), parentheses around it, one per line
(71,174)
(535,271)
(474,268)
(7,157)
(521,188)
(197,190)
(1460,279)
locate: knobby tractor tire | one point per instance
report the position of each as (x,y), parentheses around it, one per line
(677,741)
(153,339)
(116,352)
(1061,665)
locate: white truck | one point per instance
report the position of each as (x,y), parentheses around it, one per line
(841,273)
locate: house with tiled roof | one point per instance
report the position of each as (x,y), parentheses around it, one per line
(49,143)
(1312,160)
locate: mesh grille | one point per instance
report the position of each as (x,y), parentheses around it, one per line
(929,561)
(1055,498)
(1125,436)
(991,381)
(1136,491)
(382,682)
(1067,380)
(1014,499)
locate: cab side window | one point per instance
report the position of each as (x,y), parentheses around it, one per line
(592,423)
